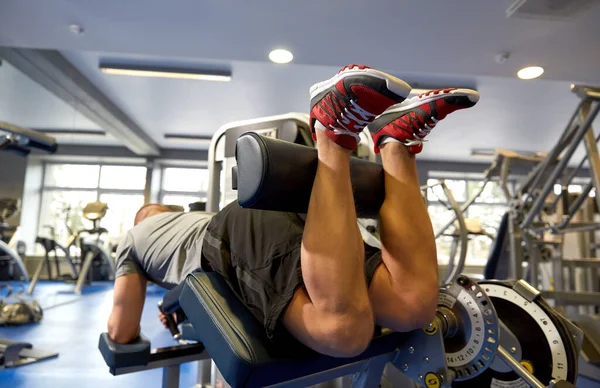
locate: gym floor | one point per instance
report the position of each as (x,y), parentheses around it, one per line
(71,326)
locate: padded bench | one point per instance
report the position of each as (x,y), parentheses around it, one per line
(233,337)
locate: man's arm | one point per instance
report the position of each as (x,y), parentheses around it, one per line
(124,321)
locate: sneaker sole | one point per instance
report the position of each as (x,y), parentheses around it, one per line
(395,85)
(471,94)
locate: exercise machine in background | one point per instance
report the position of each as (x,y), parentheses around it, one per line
(12,250)
(22,141)
(95,258)
(533,237)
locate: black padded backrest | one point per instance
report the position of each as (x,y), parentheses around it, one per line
(278,175)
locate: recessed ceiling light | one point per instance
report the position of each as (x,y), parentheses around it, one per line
(530,72)
(281,56)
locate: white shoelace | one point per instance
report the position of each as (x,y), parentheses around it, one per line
(349,115)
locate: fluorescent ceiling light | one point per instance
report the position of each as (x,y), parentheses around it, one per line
(530,72)
(281,56)
(185,136)
(166,72)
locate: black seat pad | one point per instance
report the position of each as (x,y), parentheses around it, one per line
(237,342)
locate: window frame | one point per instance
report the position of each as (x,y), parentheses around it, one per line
(202,195)
(97,190)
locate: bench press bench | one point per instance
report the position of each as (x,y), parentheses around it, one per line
(237,342)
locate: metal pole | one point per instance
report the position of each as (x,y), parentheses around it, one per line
(85,267)
(454,270)
(519,369)
(534,177)
(592,149)
(516,249)
(170,377)
(539,203)
(214,177)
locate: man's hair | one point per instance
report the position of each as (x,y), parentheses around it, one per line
(149,210)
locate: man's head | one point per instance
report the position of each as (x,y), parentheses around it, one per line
(149,210)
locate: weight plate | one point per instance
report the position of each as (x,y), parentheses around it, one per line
(471,349)
(545,343)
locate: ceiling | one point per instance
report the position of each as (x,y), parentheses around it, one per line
(432,42)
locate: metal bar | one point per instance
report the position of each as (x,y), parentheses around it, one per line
(37,274)
(586,92)
(534,261)
(454,270)
(592,149)
(170,377)
(516,249)
(504,170)
(558,270)
(573,297)
(4,247)
(576,228)
(533,178)
(539,203)
(213,196)
(85,267)
(519,369)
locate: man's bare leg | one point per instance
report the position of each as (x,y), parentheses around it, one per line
(409,275)
(332,313)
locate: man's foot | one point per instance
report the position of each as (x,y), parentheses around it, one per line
(410,121)
(343,105)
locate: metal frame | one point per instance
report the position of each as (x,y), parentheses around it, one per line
(527,207)
(16,258)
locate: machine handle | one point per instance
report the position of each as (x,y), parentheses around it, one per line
(171,324)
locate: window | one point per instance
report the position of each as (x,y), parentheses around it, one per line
(182,186)
(69,187)
(487,209)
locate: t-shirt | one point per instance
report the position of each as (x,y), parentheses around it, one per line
(165,247)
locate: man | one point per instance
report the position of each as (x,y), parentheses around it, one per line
(313,276)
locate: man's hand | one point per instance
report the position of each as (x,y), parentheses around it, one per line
(163,318)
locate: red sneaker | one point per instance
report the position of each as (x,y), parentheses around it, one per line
(343,105)
(413,119)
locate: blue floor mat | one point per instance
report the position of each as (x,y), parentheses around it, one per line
(71,327)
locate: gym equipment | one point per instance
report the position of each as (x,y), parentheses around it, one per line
(11,253)
(53,251)
(536,225)
(473,339)
(93,251)
(14,353)
(18,311)
(19,141)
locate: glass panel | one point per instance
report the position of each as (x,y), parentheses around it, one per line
(123,177)
(121,213)
(478,250)
(185,179)
(181,200)
(492,193)
(61,213)
(83,176)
